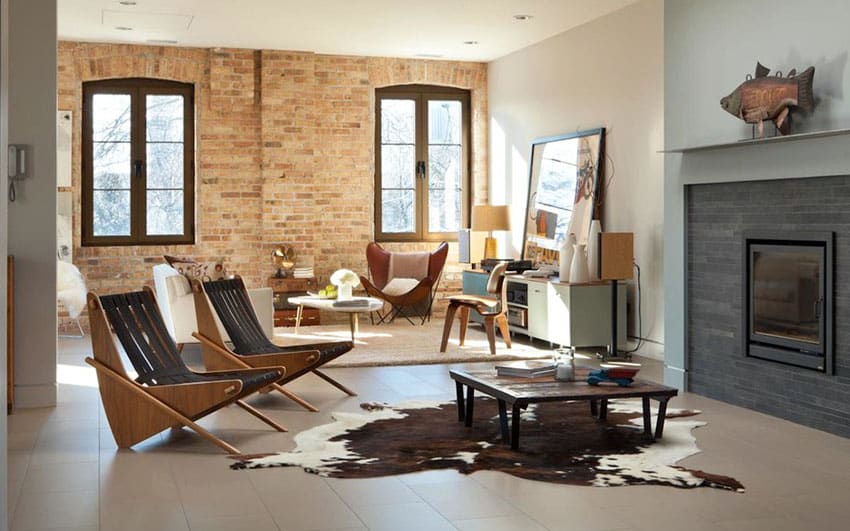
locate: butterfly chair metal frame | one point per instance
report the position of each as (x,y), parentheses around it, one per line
(492,309)
(423,293)
(166,393)
(229,300)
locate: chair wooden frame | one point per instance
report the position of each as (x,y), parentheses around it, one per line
(135,411)
(297,359)
(378,260)
(492,309)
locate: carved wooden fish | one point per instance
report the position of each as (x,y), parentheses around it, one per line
(766,97)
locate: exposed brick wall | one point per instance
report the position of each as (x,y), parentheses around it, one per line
(284,153)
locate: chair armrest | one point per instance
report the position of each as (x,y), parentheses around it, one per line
(263,301)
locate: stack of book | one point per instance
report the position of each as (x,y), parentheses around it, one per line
(302,272)
(527,369)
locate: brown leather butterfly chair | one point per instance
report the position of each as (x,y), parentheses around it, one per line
(229,299)
(493,309)
(166,392)
(407,281)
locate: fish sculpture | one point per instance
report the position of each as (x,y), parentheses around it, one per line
(765,97)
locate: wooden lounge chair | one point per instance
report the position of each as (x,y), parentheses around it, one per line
(166,392)
(228,298)
(409,294)
(493,309)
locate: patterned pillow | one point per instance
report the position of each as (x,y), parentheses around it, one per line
(192,270)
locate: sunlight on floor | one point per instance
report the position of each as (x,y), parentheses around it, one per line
(75,375)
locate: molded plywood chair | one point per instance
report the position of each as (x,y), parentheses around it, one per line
(166,392)
(228,301)
(492,309)
(407,281)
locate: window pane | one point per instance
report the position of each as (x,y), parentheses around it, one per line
(165,212)
(111,118)
(164,118)
(444,214)
(397,210)
(111,165)
(165,165)
(444,188)
(444,125)
(398,121)
(111,212)
(398,166)
(444,167)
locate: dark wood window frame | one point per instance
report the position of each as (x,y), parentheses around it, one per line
(138,89)
(422,94)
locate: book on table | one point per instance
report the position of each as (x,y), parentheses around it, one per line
(528,369)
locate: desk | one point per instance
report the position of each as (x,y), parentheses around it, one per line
(520,392)
(371,305)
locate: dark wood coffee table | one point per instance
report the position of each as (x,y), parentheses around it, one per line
(520,392)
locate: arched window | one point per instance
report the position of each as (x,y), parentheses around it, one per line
(421,163)
(138,162)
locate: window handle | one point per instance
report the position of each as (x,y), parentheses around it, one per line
(420,168)
(137,168)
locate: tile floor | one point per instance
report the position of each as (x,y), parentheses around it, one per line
(66,473)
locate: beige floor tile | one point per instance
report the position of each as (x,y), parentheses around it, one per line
(311,509)
(499,523)
(285,479)
(142,515)
(434,476)
(461,501)
(221,499)
(416,516)
(61,477)
(376,491)
(56,509)
(234,523)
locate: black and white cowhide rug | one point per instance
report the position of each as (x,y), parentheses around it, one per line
(560,443)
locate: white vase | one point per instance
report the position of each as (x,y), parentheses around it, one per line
(593,249)
(578,271)
(343,292)
(566,257)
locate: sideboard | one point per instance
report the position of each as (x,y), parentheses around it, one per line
(561,313)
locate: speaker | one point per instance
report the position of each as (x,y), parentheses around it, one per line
(470,246)
(616,255)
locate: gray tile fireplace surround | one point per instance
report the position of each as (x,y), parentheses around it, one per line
(718,214)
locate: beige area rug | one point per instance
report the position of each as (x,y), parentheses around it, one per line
(401,343)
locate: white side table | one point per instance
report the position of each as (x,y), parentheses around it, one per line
(371,305)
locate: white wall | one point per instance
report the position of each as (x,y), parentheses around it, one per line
(608,73)
(32,217)
(708,53)
(4,41)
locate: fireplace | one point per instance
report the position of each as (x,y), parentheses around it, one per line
(788,298)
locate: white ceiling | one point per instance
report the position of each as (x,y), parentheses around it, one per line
(393,28)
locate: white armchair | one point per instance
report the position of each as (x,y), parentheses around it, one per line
(177,304)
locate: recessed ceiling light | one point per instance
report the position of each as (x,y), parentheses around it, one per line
(470,43)
(123,28)
(127,3)
(429,55)
(523,17)
(161,41)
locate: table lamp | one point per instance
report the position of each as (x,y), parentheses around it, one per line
(489,218)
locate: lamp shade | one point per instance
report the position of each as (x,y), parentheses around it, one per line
(491,217)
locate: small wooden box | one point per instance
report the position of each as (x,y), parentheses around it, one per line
(284,313)
(616,255)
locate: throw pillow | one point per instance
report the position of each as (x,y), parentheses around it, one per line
(193,270)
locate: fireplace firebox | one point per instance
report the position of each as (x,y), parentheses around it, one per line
(788,296)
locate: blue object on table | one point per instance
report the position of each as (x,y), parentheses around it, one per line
(601,376)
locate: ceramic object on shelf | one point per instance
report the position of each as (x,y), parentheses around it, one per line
(579,273)
(593,249)
(566,257)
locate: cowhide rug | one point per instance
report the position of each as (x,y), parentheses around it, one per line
(559,442)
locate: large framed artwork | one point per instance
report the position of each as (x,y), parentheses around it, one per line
(563,191)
